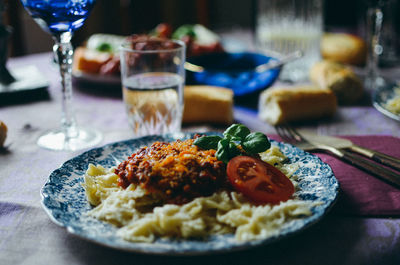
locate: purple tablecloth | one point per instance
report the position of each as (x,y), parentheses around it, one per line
(28,236)
(362,194)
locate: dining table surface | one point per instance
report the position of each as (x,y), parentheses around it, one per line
(29,236)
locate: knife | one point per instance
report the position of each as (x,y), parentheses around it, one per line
(341,143)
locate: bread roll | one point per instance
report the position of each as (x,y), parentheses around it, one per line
(3,133)
(343,48)
(208,104)
(90,61)
(338,78)
(289,104)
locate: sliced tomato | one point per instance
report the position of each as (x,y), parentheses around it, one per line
(259,181)
(164,30)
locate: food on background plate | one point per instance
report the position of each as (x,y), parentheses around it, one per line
(198,39)
(340,79)
(297,103)
(393,104)
(3,133)
(100,54)
(208,104)
(343,48)
(182,189)
(90,61)
(105,43)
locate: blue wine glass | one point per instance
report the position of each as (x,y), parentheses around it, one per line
(61,18)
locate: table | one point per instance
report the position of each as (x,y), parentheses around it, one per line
(28,236)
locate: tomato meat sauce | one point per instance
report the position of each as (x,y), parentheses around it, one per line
(177,171)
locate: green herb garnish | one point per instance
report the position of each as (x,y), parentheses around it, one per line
(104,47)
(255,143)
(236,134)
(184,30)
(208,142)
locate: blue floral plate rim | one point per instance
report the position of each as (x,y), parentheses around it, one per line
(63,199)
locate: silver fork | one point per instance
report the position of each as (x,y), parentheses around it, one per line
(292,136)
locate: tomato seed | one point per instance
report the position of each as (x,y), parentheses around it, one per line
(265,186)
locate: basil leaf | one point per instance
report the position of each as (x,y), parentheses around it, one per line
(237,132)
(208,142)
(222,153)
(255,143)
(233,150)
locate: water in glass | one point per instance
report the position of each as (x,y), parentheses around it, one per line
(154,102)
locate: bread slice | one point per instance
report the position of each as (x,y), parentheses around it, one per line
(90,61)
(208,104)
(3,133)
(343,48)
(340,79)
(291,104)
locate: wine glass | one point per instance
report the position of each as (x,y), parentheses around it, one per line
(382,40)
(61,18)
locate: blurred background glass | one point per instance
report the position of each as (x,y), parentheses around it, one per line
(286,26)
(127,16)
(380,27)
(388,35)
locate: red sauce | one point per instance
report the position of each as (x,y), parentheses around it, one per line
(178,171)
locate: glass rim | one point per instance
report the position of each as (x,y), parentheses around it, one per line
(124,47)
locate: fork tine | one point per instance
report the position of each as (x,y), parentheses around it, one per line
(284,133)
(295,134)
(290,134)
(280,132)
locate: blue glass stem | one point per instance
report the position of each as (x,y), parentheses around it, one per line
(64,53)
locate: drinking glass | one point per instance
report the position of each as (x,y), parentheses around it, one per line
(61,18)
(286,26)
(152,84)
(382,40)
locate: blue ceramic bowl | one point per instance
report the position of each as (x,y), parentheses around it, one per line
(233,70)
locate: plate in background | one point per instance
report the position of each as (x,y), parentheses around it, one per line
(381,97)
(108,80)
(233,70)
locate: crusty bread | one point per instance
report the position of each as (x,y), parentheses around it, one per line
(3,133)
(338,78)
(343,48)
(208,104)
(89,61)
(298,103)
